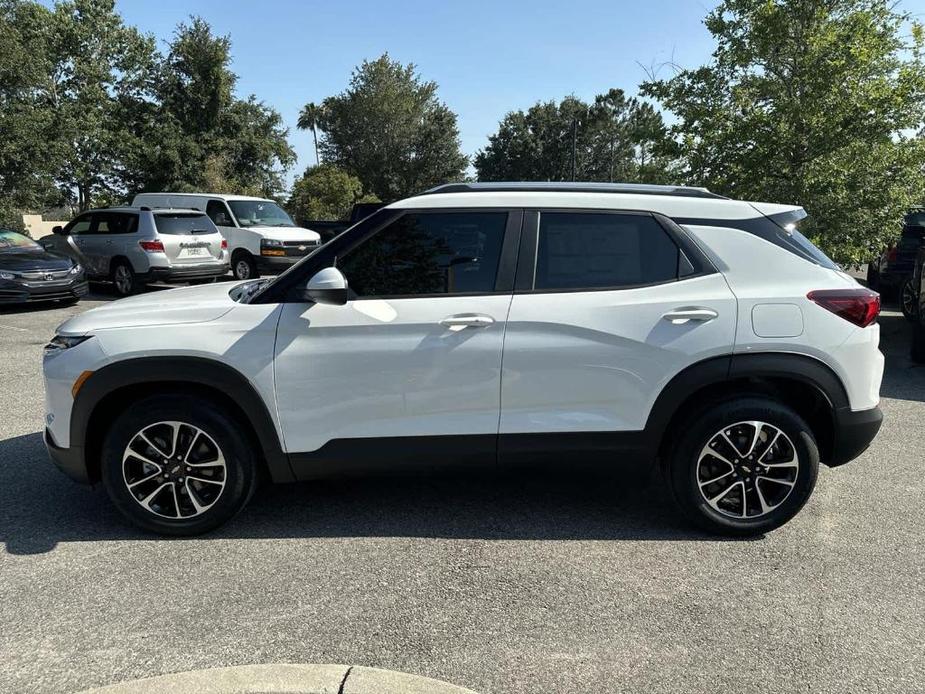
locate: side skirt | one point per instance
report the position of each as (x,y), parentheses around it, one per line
(405,455)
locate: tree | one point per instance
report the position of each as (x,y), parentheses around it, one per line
(325,192)
(389,129)
(309,119)
(810,102)
(202,135)
(29,149)
(614,139)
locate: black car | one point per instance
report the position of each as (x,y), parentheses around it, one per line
(891,272)
(28,272)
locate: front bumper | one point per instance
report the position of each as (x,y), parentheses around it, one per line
(272,265)
(28,292)
(854,432)
(180,273)
(70,461)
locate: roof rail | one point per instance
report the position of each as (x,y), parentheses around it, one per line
(574,187)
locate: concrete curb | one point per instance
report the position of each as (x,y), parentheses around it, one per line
(285,679)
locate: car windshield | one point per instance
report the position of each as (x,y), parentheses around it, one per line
(14,241)
(250,213)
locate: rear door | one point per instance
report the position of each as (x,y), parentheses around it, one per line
(608,307)
(113,235)
(189,238)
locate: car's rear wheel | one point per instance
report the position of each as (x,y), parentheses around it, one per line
(743,467)
(243,266)
(909,299)
(123,278)
(177,465)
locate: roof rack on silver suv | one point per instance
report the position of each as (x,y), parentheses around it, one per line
(575,187)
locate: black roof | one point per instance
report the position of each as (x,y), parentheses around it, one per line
(574,187)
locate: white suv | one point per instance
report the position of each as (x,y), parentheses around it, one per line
(493,324)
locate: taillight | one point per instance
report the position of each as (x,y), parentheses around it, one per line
(224,244)
(859,306)
(152,246)
(892,254)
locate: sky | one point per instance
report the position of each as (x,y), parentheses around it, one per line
(488,58)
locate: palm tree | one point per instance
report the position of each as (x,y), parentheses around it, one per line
(309,119)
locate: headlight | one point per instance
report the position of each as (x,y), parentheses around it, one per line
(271,243)
(5,275)
(59,343)
(76,269)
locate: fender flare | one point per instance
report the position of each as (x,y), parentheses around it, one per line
(718,370)
(183,371)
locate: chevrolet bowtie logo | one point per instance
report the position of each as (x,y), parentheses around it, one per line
(302,248)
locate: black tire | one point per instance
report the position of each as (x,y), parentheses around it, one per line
(124,280)
(909,300)
(917,351)
(239,475)
(243,266)
(697,434)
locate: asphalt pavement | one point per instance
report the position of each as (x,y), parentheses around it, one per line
(551,584)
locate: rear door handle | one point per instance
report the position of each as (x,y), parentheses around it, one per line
(680,316)
(467,320)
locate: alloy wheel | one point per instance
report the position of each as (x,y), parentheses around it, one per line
(174,470)
(908,298)
(123,279)
(747,470)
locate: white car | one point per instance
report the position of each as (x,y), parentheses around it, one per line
(487,324)
(262,238)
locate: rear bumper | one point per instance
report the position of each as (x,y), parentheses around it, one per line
(70,460)
(854,432)
(21,293)
(180,273)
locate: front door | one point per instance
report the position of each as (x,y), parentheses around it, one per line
(412,362)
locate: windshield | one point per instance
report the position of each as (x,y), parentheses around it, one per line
(174,223)
(14,241)
(263,213)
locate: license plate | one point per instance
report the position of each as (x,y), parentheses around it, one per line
(192,252)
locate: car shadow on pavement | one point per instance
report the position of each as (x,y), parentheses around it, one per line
(40,507)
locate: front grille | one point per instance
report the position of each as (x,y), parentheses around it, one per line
(44,275)
(300,248)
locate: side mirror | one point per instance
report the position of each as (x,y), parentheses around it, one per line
(327,286)
(59,230)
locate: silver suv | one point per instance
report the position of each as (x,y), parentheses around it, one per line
(131,246)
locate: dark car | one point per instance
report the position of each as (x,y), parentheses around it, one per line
(891,272)
(28,272)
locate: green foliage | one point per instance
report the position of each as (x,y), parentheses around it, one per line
(389,129)
(325,192)
(614,139)
(811,103)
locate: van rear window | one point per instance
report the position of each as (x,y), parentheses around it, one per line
(183,223)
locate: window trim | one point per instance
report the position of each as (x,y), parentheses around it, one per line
(287,289)
(525,282)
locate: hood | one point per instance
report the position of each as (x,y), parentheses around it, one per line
(19,261)
(286,233)
(169,307)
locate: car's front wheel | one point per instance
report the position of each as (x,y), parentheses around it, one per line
(177,465)
(744,467)
(243,266)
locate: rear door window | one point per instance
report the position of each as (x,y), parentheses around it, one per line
(585,250)
(183,223)
(114,223)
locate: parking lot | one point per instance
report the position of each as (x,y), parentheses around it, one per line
(505,585)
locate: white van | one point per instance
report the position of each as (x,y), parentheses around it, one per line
(262,238)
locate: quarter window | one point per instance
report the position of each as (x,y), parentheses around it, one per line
(428,253)
(580,250)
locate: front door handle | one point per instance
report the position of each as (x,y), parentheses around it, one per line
(680,316)
(467,320)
